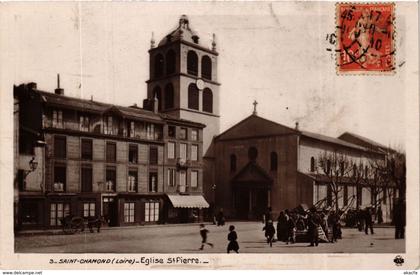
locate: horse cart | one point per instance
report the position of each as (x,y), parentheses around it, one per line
(74,224)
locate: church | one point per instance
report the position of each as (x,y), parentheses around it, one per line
(258,163)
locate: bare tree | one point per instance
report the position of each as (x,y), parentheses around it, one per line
(335,166)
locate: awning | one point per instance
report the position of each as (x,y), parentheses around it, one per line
(188,201)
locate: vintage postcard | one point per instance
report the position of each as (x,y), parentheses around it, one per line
(209,135)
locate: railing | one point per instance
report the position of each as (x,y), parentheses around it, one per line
(58,187)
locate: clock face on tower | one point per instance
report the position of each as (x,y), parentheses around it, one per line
(200,84)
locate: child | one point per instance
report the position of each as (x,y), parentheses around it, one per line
(269,232)
(203,233)
(232,237)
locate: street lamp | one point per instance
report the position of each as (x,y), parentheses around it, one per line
(32,165)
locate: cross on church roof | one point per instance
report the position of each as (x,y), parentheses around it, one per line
(255,107)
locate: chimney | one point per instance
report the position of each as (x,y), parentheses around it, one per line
(31,86)
(58,90)
(297,126)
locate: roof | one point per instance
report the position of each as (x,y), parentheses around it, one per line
(188,201)
(182,33)
(364,141)
(255,126)
(251,173)
(328,139)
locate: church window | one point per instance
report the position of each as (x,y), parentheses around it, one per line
(193,97)
(273,161)
(232,163)
(169,96)
(206,67)
(170,62)
(207,100)
(158,65)
(192,63)
(312,164)
(157,93)
(252,153)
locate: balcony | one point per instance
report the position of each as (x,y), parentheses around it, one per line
(58,187)
(109,186)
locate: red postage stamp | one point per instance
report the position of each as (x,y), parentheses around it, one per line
(365,38)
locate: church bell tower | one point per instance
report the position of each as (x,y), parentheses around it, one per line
(183,78)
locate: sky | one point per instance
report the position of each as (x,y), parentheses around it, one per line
(274,53)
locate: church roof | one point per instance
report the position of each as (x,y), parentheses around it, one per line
(182,32)
(255,126)
(251,173)
(364,141)
(328,139)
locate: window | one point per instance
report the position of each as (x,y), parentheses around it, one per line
(169,96)
(172,131)
(84,123)
(206,67)
(133,153)
(153,182)
(194,152)
(129,212)
(342,168)
(182,179)
(194,134)
(89,209)
(354,170)
(29,212)
(57,119)
(153,155)
(150,131)
(366,171)
(131,129)
(171,177)
(59,178)
(86,149)
(183,151)
(232,163)
(171,150)
(328,166)
(207,100)
(194,179)
(170,62)
(312,164)
(157,93)
(151,211)
(183,133)
(158,65)
(273,161)
(86,178)
(132,181)
(57,212)
(108,126)
(111,152)
(193,96)
(111,179)
(192,63)
(60,147)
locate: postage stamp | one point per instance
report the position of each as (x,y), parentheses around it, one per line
(365,34)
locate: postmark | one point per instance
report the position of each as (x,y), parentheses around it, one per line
(365,33)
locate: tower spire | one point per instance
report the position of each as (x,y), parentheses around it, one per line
(58,90)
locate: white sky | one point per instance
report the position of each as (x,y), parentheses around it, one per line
(274,53)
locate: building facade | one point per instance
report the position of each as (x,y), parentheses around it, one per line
(259,163)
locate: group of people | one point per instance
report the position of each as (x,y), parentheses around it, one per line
(232,238)
(291,221)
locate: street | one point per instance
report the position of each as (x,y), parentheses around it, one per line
(186,239)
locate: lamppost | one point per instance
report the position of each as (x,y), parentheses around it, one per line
(32,166)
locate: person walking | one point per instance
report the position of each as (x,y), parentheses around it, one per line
(291,230)
(203,233)
(313,222)
(282,227)
(368,221)
(269,232)
(220,218)
(232,238)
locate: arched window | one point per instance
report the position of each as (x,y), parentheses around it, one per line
(273,161)
(169,96)
(366,171)
(252,153)
(207,100)
(232,163)
(312,164)
(192,63)
(157,92)
(193,96)
(158,65)
(170,62)
(206,67)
